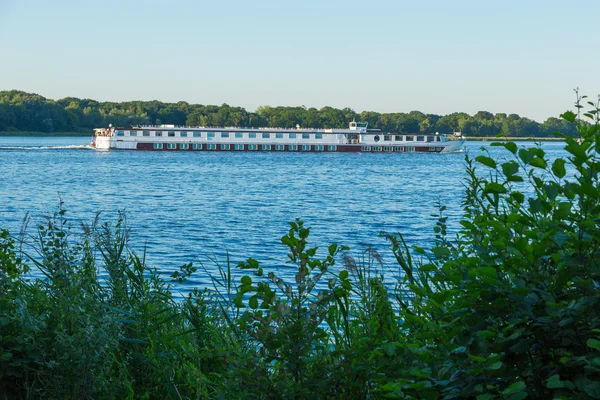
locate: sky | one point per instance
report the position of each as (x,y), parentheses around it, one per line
(523,57)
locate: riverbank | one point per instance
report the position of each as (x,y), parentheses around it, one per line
(513,139)
(45,134)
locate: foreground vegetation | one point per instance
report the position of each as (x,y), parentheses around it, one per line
(21,112)
(509,309)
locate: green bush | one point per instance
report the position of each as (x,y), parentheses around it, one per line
(508,309)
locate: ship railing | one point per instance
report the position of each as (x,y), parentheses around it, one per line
(306,130)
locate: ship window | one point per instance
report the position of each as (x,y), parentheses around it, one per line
(120,133)
(305,136)
(398,138)
(388,148)
(239,135)
(293,147)
(225,147)
(171,134)
(377,138)
(224,134)
(158,146)
(253,146)
(210,135)
(157,133)
(410,149)
(239,147)
(280,147)
(266,146)
(171,146)
(319,147)
(279,136)
(252,135)
(432,149)
(410,138)
(182,134)
(366,148)
(420,138)
(197,146)
(376,148)
(430,138)
(387,138)
(211,146)
(197,134)
(132,133)
(292,136)
(266,135)
(331,148)
(318,136)
(184,146)
(146,133)
(306,147)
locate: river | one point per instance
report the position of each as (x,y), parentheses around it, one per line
(199,207)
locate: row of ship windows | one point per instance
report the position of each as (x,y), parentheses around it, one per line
(210,135)
(409,138)
(282,147)
(213,146)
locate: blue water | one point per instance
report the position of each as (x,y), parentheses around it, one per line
(197,207)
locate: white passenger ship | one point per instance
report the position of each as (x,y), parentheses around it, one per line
(184,138)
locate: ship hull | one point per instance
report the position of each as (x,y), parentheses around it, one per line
(246,147)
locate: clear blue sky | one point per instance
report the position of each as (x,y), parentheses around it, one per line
(522,57)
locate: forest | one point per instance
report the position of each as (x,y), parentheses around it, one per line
(28,112)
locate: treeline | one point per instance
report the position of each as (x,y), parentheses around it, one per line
(21,111)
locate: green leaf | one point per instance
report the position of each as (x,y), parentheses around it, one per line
(304,233)
(494,366)
(510,146)
(558,168)
(569,116)
(510,168)
(246,280)
(490,272)
(494,187)
(389,349)
(554,382)
(332,249)
(485,397)
(594,344)
(592,388)
(515,387)
(253,302)
(343,275)
(538,162)
(487,161)
(518,396)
